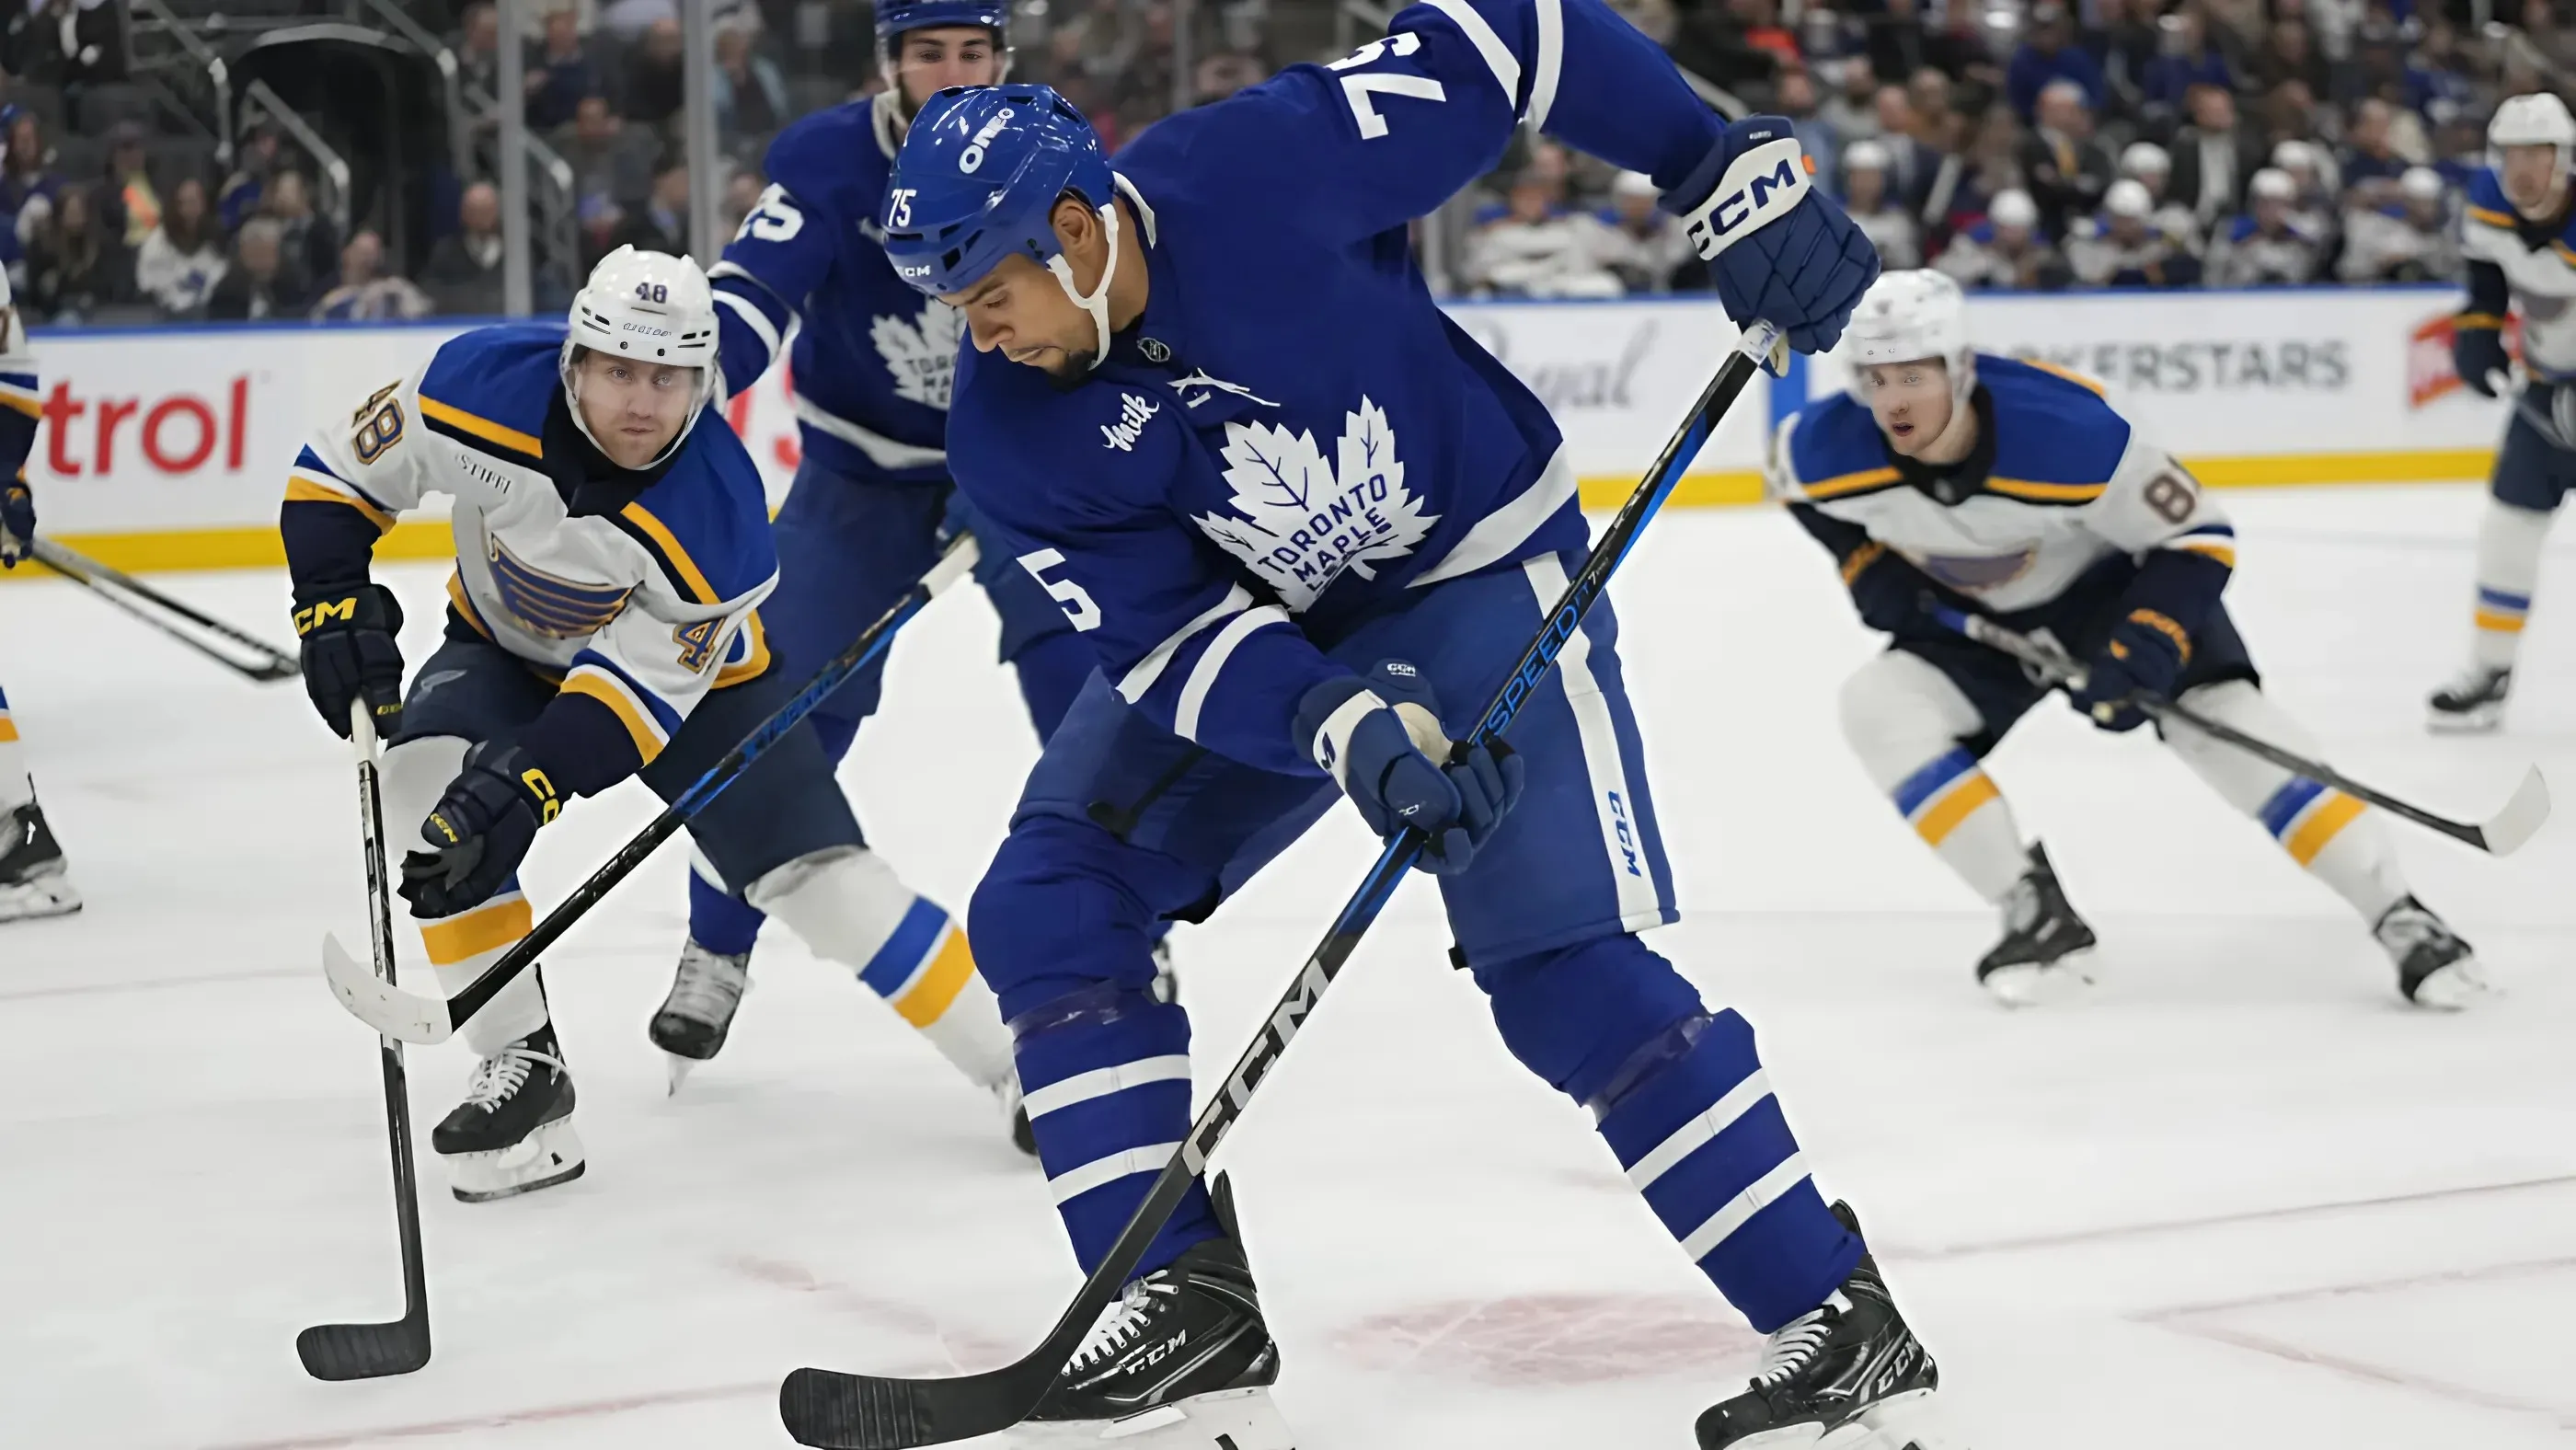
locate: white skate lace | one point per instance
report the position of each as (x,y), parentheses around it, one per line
(1793,1346)
(498,1078)
(2405,928)
(1120,1322)
(708,987)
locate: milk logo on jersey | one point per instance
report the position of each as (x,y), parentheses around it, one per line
(1132,413)
(921,355)
(1302,520)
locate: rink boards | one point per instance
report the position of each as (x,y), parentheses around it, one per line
(167,448)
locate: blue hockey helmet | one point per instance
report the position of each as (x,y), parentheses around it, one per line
(978,179)
(895,17)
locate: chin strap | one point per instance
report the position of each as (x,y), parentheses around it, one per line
(1097,303)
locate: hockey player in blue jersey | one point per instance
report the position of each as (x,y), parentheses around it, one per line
(1996,486)
(2518,236)
(1309,524)
(613,549)
(871,505)
(32,879)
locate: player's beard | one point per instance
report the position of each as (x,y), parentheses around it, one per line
(1073,372)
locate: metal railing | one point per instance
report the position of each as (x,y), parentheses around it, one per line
(203,55)
(460,146)
(333,172)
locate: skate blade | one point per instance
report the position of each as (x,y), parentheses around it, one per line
(550,1155)
(2454,988)
(2030,984)
(1227,1420)
(679,1069)
(2480,721)
(39,897)
(1910,1421)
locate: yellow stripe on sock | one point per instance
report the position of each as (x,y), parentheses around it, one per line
(937,985)
(2499,622)
(2323,824)
(487,928)
(1971,792)
(8,728)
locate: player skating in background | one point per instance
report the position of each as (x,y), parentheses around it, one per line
(1300,513)
(2516,233)
(871,506)
(1951,476)
(32,880)
(601,623)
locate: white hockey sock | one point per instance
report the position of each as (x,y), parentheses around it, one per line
(2509,541)
(848,906)
(1905,719)
(16,788)
(462,946)
(2323,829)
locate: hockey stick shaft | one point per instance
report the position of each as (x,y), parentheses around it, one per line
(427,1019)
(2500,836)
(124,590)
(361,1351)
(853,1412)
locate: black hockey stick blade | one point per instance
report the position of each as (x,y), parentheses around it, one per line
(840,1411)
(364,1351)
(267,664)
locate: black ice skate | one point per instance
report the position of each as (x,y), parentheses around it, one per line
(2434,967)
(2471,704)
(691,1023)
(32,880)
(513,1133)
(1183,1361)
(1851,1362)
(2047,950)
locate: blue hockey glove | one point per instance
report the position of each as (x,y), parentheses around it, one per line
(349,654)
(2478,355)
(480,831)
(1378,735)
(17,521)
(1780,250)
(1887,589)
(2144,655)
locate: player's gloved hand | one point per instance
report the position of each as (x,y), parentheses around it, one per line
(1378,735)
(480,831)
(2478,356)
(1779,250)
(2144,655)
(1887,589)
(17,521)
(350,654)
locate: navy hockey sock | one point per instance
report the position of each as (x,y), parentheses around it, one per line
(723,924)
(1106,1071)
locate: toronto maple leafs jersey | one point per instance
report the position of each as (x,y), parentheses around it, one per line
(1294,437)
(2538,263)
(2065,484)
(637,588)
(872,358)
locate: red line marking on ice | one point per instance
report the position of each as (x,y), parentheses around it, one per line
(2220,1220)
(507,1419)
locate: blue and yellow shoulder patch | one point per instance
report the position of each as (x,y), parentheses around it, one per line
(490,389)
(1835,452)
(706,522)
(2057,439)
(2486,202)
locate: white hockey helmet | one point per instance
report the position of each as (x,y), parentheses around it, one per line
(2012,207)
(2272,184)
(2540,119)
(1906,317)
(2146,158)
(2128,198)
(654,308)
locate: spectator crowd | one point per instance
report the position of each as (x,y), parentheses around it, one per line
(2119,143)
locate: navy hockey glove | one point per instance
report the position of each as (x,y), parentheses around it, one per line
(350,654)
(1779,250)
(1886,588)
(17,521)
(480,831)
(1378,735)
(2145,655)
(2478,355)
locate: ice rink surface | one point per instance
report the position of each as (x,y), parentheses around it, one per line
(2240,1197)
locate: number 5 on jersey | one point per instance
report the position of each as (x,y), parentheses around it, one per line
(1077,602)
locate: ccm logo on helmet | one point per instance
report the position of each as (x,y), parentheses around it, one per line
(1760,187)
(973,156)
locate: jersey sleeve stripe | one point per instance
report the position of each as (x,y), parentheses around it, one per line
(749,310)
(2490,217)
(653,704)
(302,487)
(1498,533)
(464,604)
(748,656)
(658,540)
(456,422)
(1551,61)
(1842,484)
(1211,663)
(1133,685)
(1498,56)
(26,403)
(2033,491)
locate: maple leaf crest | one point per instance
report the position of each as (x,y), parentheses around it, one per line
(1301,520)
(921,354)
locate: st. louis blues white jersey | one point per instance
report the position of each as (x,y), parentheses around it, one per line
(2539,266)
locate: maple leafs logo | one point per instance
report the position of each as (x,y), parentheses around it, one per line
(1304,519)
(922,355)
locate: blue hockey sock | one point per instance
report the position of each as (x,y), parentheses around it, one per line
(1692,1118)
(1106,1071)
(723,924)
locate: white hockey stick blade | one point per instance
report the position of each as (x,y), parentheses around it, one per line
(390,1010)
(2521,817)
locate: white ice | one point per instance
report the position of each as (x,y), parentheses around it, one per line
(2239,1198)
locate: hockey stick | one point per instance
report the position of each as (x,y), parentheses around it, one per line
(269,664)
(868,1412)
(2500,834)
(370,1351)
(427,1020)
